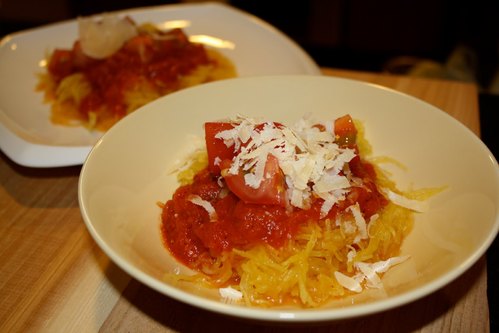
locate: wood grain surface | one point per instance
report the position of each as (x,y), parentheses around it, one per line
(54,278)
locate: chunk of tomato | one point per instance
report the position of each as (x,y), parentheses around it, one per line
(345,131)
(80,60)
(61,63)
(142,46)
(217,150)
(271,190)
(361,169)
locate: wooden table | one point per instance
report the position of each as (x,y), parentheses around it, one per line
(54,278)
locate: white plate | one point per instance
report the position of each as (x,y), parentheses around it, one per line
(28,137)
(129,170)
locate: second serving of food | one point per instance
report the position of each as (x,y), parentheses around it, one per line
(116,66)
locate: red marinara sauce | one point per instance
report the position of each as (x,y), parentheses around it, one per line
(190,235)
(154,60)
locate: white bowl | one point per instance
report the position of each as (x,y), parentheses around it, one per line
(129,171)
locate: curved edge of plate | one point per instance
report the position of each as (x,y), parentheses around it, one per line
(40,156)
(31,154)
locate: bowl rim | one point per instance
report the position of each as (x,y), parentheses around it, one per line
(290,315)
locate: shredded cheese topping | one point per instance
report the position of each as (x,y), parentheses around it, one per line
(197,200)
(230,294)
(360,222)
(415,205)
(309,158)
(368,273)
(348,282)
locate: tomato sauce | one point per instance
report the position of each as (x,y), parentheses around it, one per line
(190,235)
(156,61)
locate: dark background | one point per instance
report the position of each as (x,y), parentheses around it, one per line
(455,40)
(448,39)
(356,34)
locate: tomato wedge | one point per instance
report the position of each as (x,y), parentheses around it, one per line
(61,63)
(271,190)
(345,131)
(217,150)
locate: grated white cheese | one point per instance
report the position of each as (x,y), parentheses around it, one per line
(327,205)
(230,294)
(328,183)
(197,200)
(400,200)
(373,280)
(368,272)
(359,221)
(348,282)
(383,266)
(255,178)
(220,182)
(309,158)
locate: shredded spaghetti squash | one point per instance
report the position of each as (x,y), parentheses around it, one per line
(116,66)
(271,249)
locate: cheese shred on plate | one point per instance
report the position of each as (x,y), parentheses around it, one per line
(277,215)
